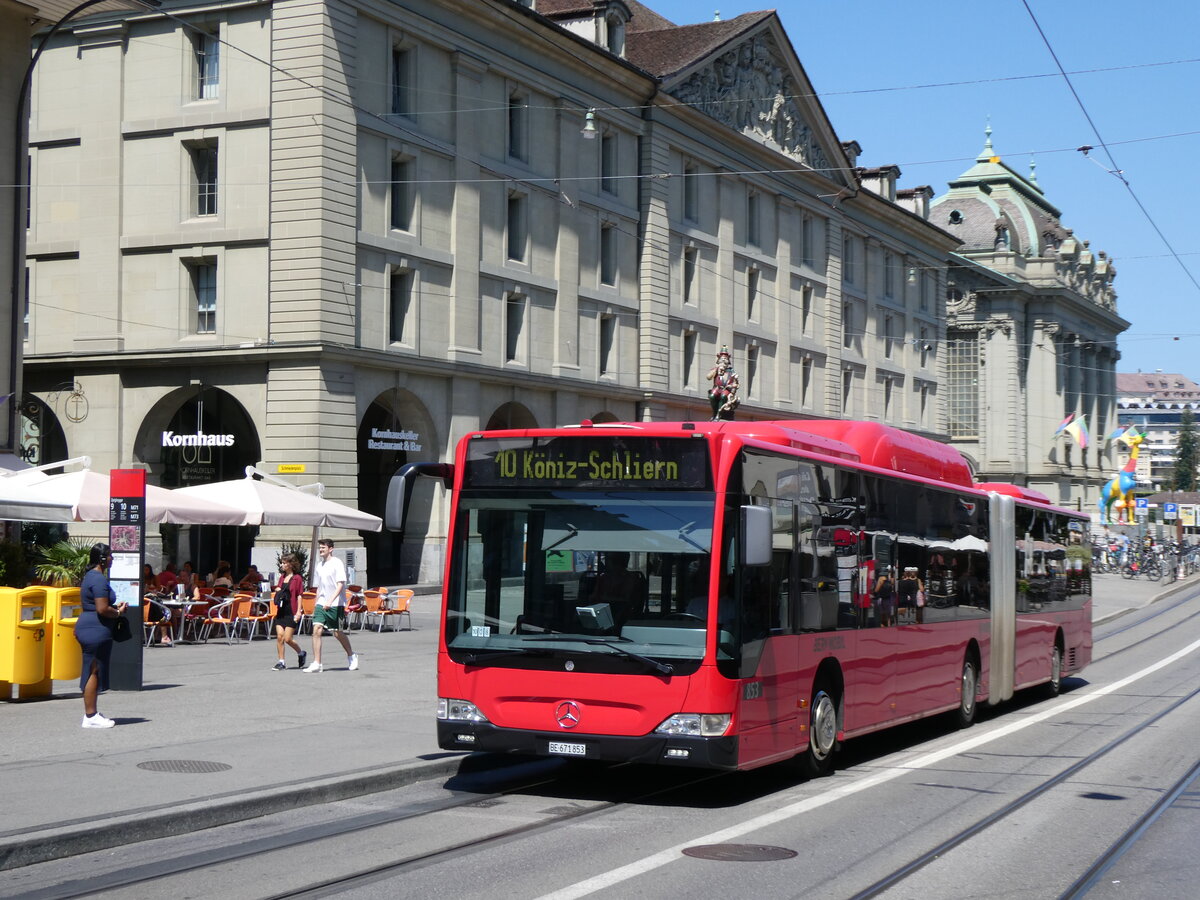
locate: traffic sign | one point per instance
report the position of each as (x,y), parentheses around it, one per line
(1170,512)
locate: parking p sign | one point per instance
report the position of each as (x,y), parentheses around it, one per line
(1170,512)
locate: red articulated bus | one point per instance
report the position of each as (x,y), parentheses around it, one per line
(732,594)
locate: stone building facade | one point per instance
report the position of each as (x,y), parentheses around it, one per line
(342,234)
(1031,336)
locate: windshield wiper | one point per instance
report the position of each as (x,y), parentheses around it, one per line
(654,664)
(478,659)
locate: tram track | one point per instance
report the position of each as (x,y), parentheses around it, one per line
(900,874)
(1171,607)
(195,862)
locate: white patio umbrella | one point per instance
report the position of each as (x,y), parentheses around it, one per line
(267,500)
(270,501)
(83,495)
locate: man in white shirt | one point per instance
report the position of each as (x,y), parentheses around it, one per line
(329,610)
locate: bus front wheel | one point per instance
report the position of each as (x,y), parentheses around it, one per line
(822,734)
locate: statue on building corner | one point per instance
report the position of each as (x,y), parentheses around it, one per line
(723,395)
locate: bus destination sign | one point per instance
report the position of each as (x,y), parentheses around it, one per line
(589,462)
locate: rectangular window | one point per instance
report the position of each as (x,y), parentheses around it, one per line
(849,261)
(753,233)
(807,246)
(691,192)
(751,373)
(514,326)
(689,359)
(608,254)
(207,48)
(608,163)
(608,340)
(399,306)
(204,175)
(887,398)
(752,280)
(402,194)
(889,274)
(806,368)
(204,295)
(806,294)
(401,81)
(517,110)
(888,336)
(927,282)
(847,389)
(924,346)
(516,227)
(847,324)
(689,275)
(962,383)
(924,403)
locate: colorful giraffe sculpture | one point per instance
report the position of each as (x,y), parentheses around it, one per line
(1120,486)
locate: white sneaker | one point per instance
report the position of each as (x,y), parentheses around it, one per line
(314,667)
(97,721)
(352,659)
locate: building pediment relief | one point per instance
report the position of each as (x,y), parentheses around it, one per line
(750,88)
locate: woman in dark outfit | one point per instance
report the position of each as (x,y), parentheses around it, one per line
(93,630)
(287,603)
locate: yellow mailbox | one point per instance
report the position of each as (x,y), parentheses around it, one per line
(64,656)
(23,635)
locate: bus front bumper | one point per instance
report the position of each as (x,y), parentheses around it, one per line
(662,749)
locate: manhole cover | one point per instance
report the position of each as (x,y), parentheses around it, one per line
(187,766)
(739,852)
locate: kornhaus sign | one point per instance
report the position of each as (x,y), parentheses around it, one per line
(171,439)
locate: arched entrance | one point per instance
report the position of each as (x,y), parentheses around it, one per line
(42,439)
(200,435)
(396,429)
(511,415)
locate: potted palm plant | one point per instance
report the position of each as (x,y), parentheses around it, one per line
(63,564)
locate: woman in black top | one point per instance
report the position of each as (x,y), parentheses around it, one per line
(94,631)
(287,605)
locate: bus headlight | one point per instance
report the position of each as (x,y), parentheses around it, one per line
(695,724)
(458,711)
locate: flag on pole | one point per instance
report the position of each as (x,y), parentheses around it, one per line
(1078,430)
(1129,434)
(1065,422)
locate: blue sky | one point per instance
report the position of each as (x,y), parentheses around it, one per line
(1136,69)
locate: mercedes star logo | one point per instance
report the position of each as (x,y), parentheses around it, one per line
(567,714)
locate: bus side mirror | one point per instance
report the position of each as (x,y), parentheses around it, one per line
(756,536)
(400,490)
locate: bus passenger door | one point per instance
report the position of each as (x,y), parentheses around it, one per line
(767,708)
(871,675)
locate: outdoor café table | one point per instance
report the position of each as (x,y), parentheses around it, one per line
(179,608)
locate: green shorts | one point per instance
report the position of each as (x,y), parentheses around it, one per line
(331,618)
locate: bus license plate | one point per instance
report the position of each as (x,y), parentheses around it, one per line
(561,749)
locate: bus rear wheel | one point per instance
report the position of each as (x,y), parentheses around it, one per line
(965,716)
(822,734)
(1054,685)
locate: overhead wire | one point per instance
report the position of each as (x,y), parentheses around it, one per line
(1116,170)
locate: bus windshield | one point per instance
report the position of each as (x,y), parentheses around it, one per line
(620,575)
